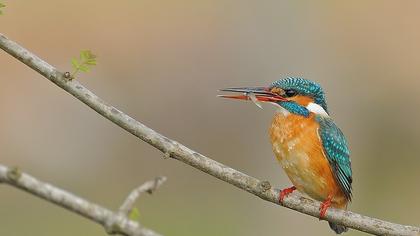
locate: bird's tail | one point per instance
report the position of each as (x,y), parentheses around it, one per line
(338,229)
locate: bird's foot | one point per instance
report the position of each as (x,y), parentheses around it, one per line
(285,192)
(324,207)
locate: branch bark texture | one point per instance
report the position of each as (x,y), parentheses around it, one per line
(114,223)
(177,151)
(149,187)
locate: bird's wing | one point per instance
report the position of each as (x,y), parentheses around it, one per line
(337,152)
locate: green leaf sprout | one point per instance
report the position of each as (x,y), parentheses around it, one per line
(134,214)
(1,6)
(84,63)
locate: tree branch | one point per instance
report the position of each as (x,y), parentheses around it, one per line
(177,151)
(149,186)
(114,223)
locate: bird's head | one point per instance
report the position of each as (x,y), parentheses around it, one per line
(295,95)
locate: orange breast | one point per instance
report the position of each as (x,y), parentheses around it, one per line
(299,150)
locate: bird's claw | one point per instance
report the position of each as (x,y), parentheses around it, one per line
(324,207)
(285,192)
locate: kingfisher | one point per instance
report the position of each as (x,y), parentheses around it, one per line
(307,143)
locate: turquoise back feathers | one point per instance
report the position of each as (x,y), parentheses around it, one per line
(337,153)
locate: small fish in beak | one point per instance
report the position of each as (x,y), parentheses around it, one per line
(254,99)
(256,95)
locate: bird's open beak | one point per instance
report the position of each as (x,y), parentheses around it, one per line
(260,94)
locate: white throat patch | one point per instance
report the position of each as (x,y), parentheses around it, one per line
(317,109)
(281,109)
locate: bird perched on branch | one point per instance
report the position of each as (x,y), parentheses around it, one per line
(309,146)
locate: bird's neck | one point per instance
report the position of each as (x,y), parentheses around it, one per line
(295,108)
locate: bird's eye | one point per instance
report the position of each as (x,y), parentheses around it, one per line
(290,92)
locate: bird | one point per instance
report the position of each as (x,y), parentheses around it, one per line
(309,146)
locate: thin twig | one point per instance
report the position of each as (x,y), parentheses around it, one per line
(113,223)
(149,187)
(173,149)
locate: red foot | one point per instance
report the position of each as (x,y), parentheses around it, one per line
(285,192)
(324,206)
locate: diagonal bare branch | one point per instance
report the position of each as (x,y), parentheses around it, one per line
(177,151)
(113,223)
(149,187)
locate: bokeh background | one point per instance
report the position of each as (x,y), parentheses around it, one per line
(162,62)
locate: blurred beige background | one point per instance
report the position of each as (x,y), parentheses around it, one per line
(162,62)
